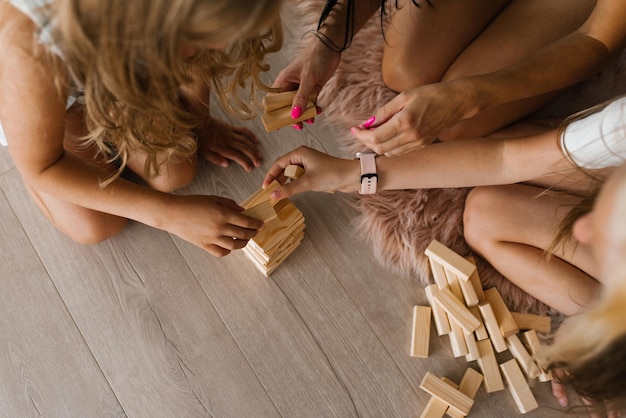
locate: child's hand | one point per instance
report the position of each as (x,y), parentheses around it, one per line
(322,173)
(219,142)
(308,72)
(212,223)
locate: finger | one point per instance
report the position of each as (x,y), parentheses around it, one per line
(246,133)
(275,172)
(215,158)
(298,126)
(230,243)
(216,250)
(238,157)
(558,390)
(301,99)
(237,232)
(292,188)
(244,151)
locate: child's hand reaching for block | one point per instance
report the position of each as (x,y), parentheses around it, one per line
(322,173)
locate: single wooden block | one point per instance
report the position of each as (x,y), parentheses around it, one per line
(454,285)
(481,331)
(455,309)
(489,366)
(293,171)
(442,324)
(280,118)
(435,408)
(470,382)
(259,196)
(475,280)
(539,323)
(273,101)
(450,260)
(439,274)
(493,328)
(518,386)
(457,340)
(503,315)
(469,294)
(525,360)
(473,352)
(420,336)
(457,401)
(263,211)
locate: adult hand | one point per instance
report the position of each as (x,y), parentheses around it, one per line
(308,73)
(322,173)
(212,223)
(414,118)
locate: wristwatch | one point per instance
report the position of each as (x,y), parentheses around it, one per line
(369,178)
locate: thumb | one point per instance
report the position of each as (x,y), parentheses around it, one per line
(287,190)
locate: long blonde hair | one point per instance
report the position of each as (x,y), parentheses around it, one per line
(125,54)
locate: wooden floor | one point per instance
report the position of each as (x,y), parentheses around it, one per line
(147,325)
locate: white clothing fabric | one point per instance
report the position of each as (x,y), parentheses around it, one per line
(599,140)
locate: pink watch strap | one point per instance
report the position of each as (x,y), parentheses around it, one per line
(369,178)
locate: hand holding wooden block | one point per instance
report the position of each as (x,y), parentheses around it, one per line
(277,110)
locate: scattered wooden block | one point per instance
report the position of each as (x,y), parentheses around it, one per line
(493,328)
(420,336)
(454,285)
(457,340)
(473,352)
(469,385)
(476,282)
(522,356)
(293,171)
(481,331)
(539,323)
(457,401)
(450,260)
(503,315)
(439,274)
(436,408)
(456,310)
(442,324)
(263,211)
(489,366)
(469,294)
(518,386)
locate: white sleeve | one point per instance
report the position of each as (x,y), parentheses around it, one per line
(599,140)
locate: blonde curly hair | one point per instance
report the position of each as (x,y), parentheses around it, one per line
(125,55)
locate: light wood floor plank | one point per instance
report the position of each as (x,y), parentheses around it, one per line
(46,368)
(152,330)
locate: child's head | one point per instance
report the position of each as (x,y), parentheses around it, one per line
(591,347)
(131,56)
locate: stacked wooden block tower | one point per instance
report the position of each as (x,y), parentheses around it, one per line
(479,325)
(280,236)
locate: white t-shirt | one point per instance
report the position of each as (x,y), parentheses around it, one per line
(599,140)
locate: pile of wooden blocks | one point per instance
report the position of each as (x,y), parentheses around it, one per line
(277,108)
(479,324)
(280,236)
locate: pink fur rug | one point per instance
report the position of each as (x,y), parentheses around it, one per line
(400,224)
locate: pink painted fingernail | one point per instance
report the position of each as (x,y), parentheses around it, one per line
(298,127)
(368,123)
(310,121)
(296,112)
(318,110)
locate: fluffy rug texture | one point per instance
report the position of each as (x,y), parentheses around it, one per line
(400,224)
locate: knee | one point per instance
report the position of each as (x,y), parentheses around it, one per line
(95,228)
(401,74)
(175,176)
(479,214)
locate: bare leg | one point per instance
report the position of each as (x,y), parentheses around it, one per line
(511,226)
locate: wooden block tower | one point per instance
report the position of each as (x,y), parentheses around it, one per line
(281,235)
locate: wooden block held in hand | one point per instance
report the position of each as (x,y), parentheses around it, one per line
(420,335)
(280,118)
(518,386)
(263,211)
(450,260)
(274,101)
(293,171)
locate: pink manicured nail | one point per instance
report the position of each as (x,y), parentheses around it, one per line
(296,112)
(310,121)
(318,109)
(298,127)
(368,123)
